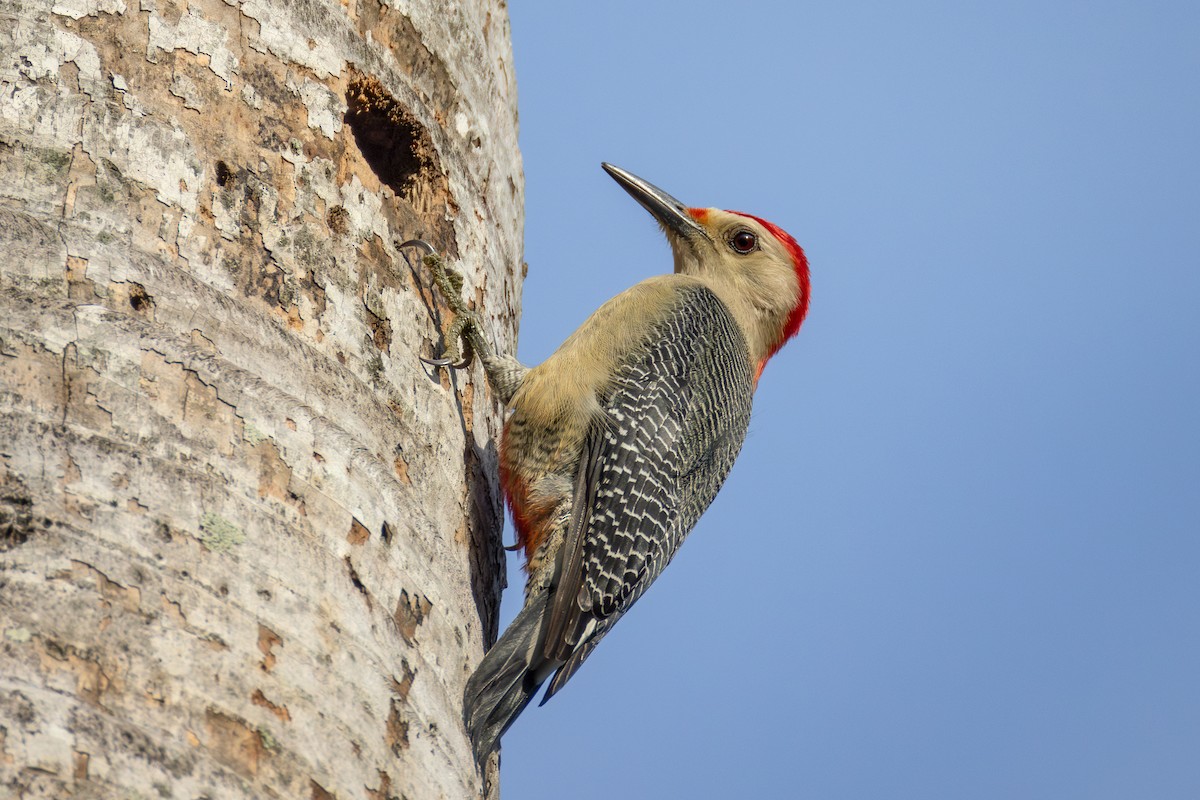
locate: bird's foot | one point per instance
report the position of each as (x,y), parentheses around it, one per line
(466,326)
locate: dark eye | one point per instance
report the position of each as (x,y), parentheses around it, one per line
(743,242)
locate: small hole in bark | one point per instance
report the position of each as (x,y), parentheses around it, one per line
(224,174)
(392,141)
(16,514)
(357,581)
(138,299)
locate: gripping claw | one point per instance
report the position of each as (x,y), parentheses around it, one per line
(465,327)
(421,243)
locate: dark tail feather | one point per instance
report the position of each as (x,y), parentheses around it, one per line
(505,681)
(568,669)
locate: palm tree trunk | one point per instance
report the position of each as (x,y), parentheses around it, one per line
(248,542)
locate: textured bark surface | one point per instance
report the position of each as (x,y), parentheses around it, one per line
(248,543)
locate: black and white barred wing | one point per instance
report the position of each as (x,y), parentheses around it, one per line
(676,420)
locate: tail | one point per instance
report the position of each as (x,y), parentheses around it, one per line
(506,680)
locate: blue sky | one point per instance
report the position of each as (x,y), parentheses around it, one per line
(960,553)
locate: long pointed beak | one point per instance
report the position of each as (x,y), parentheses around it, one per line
(670,212)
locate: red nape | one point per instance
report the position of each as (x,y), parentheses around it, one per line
(800,263)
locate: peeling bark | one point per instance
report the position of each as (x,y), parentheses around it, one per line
(249,544)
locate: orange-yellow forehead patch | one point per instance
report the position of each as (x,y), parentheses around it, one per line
(699,214)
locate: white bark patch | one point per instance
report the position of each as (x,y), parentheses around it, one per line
(35,107)
(365,208)
(251,98)
(186,223)
(185,89)
(326,110)
(28,112)
(76,9)
(319,173)
(289,38)
(150,152)
(272,229)
(44,49)
(195,35)
(49,747)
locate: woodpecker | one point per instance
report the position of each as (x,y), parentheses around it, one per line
(619,441)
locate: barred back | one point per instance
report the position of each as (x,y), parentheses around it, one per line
(674,421)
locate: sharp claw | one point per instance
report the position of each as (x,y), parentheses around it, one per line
(444,362)
(450,283)
(421,243)
(511,547)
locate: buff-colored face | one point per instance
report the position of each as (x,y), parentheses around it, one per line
(736,242)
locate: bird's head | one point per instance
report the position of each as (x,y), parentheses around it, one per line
(754,266)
